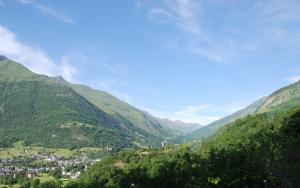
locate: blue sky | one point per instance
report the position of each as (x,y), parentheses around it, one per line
(192,60)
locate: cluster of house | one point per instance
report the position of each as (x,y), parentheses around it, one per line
(11,167)
(66,165)
(50,162)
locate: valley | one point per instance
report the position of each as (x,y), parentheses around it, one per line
(150,94)
(58,134)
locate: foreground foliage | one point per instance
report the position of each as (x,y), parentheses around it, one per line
(251,152)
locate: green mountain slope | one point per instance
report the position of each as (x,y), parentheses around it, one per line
(210,129)
(152,125)
(14,72)
(118,108)
(43,111)
(283,99)
(266,145)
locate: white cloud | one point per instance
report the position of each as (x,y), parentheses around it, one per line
(195,114)
(184,14)
(32,57)
(188,114)
(48,11)
(69,66)
(193,109)
(293,79)
(180,13)
(251,28)
(184,115)
(67,69)
(202,114)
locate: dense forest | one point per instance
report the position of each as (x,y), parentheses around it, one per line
(52,115)
(256,151)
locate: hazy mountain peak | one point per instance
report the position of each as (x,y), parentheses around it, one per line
(2,58)
(59,79)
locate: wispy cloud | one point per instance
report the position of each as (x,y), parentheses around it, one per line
(184,115)
(67,69)
(224,31)
(193,109)
(70,65)
(34,58)
(195,114)
(201,114)
(2,4)
(185,15)
(47,11)
(293,78)
(180,13)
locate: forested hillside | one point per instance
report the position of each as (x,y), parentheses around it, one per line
(212,128)
(256,151)
(154,126)
(42,111)
(120,109)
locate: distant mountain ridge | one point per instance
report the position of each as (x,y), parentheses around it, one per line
(283,99)
(116,107)
(2,58)
(140,118)
(177,125)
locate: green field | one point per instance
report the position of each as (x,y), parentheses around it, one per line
(23,151)
(44,177)
(19,149)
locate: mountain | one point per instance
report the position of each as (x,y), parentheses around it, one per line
(267,141)
(210,129)
(2,58)
(48,111)
(179,126)
(152,125)
(120,109)
(283,99)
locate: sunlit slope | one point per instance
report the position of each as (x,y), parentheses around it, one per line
(43,111)
(283,99)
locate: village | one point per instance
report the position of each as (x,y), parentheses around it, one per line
(35,165)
